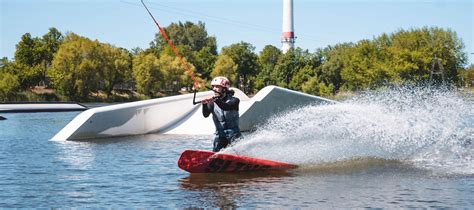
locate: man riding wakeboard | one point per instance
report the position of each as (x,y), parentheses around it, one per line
(225,113)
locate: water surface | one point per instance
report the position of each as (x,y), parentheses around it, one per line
(393,149)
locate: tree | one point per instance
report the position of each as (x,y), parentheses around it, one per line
(286,67)
(412,53)
(75,67)
(291,64)
(306,66)
(267,60)
(311,86)
(467,76)
(301,76)
(3,63)
(175,74)
(403,56)
(21,71)
(225,66)
(333,62)
(147,74)
(9,85)
(188,33)
(365,69)
(114,67)
(204,61)
(192,42)
(52,40)
(48,46)
(243,55)
(36,54)
(28,56)
(25,50)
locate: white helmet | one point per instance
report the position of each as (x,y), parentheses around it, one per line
(221,81)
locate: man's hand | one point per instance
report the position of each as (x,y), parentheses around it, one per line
(208,100)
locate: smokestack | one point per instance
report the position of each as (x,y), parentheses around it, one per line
(288,38)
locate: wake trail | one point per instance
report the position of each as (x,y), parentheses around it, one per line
(429,128)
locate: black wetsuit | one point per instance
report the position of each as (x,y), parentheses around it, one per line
(226,119)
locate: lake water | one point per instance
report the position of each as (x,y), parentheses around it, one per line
(392,149)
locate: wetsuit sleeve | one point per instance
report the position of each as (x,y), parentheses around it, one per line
(206,109)
(231,104)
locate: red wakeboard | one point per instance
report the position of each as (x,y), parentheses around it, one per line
(199,161)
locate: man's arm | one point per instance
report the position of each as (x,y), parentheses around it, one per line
(206,109)
(231,104)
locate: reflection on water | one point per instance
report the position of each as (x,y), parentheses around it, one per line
(77,154)
(225,190)
(360,184)
(355,165)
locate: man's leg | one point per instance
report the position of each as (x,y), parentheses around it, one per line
(219,143)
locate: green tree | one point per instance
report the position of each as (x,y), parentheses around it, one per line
(52,40)
(25,50)
(175,74)
(315,87)
(114,67)
(188,33)
(48,46)
(147,74)
(331,68)
(467,76)
(403,56)
(286,67)
(325,90)
(365,68)
(36,55)
(28,56)
(192,42)
(311,86)
(3,63)
(306,66)
(412,53)
(204,61)
(9,85)
(247,65)
(75,67)
(301,76)
(267,61)
(295,67)
(225,66)
(21,71)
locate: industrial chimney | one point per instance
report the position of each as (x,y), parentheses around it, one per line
(288,38)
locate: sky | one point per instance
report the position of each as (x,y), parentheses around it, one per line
(317,23)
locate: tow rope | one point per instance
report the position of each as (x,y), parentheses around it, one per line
(163,33)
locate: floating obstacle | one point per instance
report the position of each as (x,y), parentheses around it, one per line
(41,107)
(178,115)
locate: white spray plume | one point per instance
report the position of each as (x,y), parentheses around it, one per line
(430,128)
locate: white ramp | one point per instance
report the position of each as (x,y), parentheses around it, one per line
(273,100)
(177,115)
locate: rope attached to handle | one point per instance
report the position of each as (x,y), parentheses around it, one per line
(163,33)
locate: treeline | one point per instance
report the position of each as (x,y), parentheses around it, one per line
(76,66)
